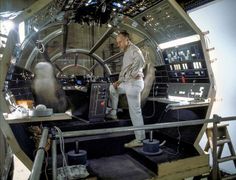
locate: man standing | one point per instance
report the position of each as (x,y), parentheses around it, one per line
(130,83)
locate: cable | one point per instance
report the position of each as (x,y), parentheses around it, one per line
(46,165)
(179,135)
(179,138)
(62,145)
(164,112)
(62,148)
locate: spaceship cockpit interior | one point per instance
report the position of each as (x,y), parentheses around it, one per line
(77,40)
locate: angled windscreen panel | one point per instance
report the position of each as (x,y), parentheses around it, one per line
(164,23)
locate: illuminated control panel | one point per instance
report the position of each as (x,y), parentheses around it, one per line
(79,83)
(98,101)
(183,76)
(187,52)
(189,90)
(186,64)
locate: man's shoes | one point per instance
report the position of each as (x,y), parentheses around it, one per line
(111,116)
(133,143)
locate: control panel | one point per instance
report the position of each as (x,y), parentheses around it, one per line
(98,101)
(194,91)
(79,83)
(186,64)
(18,82)
(184,75)
(88,95)
(187,52)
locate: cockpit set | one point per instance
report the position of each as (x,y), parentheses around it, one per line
(77,39)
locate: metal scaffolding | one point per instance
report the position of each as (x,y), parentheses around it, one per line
(40,154)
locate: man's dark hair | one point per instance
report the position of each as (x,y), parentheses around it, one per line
(124,33)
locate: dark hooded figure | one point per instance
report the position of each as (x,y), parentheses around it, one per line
(47,89)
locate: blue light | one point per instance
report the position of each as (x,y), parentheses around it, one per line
(91,2)
(117,5)
(79,82)
(125,1)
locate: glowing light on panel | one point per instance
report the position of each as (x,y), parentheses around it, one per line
(180,41)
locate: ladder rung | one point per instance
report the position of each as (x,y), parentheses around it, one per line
(233,176)
(218,125)
(223,141)
(227,158)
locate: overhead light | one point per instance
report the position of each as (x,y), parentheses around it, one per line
(125,1)
(90,2)
(22,31)
(6,26)
(180,41)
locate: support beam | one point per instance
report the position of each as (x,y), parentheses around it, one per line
(117,55)
(136,128)
(65,34)
(76,58)
(6,129)
(93,67)
(54,159)
(112,58)
(215,169)
(108,60)
(86,52)
(11,140)
(101,40)
(47,58)
(38,161)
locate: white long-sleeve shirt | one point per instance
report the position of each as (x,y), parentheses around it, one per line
(133,63)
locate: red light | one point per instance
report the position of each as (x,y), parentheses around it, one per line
(102,103)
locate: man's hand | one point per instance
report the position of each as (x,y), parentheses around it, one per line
(116,84)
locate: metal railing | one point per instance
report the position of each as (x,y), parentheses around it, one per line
(38,161)
(40,153)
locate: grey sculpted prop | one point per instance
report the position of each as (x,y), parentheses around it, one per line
(47,89)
